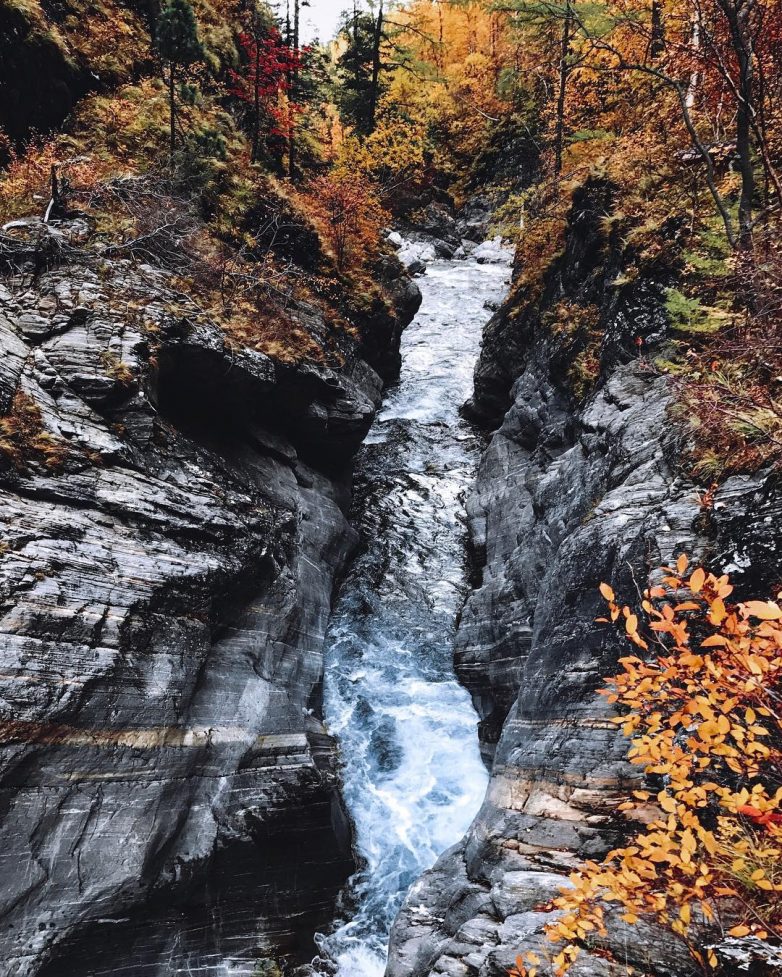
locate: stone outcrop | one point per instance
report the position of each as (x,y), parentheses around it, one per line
(567,496)
(173,523)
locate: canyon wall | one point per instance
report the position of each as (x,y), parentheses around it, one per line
(569,494)
(173,523)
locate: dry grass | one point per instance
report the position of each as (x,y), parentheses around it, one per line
(23,439)
(730,403)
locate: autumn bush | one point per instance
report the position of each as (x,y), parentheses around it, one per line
(700,705)
(727,356)
(349,213)
(112,47)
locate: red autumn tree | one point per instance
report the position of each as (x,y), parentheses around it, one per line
(265,84)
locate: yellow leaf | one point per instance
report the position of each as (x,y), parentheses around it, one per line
(739,931)
(667,803)
(717,614)
(714,641)
(764,610)
(697,580)
(606,591)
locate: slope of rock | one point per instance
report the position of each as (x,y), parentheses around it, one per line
(566,497)
(172,524)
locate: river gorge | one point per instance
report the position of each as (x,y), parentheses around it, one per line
(300,660)
(411,768)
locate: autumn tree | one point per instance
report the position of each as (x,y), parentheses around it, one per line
(449,81)
(706,52)
(350,213)
(178,45)
(701,710)
(264,84)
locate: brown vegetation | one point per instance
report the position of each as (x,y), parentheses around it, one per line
(23,438)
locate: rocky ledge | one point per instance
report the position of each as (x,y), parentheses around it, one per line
(173,522)
(567,496)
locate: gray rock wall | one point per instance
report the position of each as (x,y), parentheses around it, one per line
(168,794)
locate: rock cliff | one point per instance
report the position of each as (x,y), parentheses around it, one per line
(569,493)
(173,522)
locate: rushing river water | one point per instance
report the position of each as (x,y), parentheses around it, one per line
(407,730)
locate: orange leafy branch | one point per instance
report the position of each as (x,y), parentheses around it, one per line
(703,722)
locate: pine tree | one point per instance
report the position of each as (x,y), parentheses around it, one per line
(177,43)
(360,69)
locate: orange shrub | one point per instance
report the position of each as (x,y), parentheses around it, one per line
(703,717)
(350,214)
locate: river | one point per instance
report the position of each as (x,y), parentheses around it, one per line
(413,777)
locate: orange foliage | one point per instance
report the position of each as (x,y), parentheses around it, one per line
(27,179)
(351,217)
(703,716)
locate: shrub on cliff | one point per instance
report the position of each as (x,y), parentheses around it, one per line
(704,721)
(350,214)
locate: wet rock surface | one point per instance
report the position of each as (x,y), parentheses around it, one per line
(567,496)
(173,522)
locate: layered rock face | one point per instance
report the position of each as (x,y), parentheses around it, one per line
(566,497)
(172,527)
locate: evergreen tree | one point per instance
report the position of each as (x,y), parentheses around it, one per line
(311,91)
(177,43)
(359,69)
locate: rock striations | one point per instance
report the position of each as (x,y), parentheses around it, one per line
(173,521)
(567,496)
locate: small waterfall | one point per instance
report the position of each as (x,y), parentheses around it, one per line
(412,771)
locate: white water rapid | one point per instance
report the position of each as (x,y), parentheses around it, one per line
(413,777)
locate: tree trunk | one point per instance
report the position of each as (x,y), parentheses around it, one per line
(292,90)
(440,36)
(374,92)
(744,152)
(695,41)
(704,154)
(172,105)
(739,17)
(658,30)
(564,71)
(256,102)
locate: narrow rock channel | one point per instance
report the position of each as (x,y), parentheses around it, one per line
(413,776)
